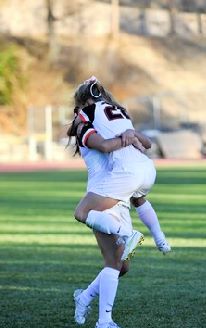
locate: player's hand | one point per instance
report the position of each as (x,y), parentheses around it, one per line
(137,144)
(128,137)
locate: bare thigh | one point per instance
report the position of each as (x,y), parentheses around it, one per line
(111,252)
(92,202)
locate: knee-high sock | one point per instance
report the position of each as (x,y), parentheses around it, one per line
(107,292)
(105,222)
(92,291)
(148,216)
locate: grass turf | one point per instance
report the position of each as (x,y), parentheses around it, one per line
(45,254)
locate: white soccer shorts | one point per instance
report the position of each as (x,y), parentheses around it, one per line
(121,213)
(123,185)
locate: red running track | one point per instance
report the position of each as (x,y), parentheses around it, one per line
(78,164)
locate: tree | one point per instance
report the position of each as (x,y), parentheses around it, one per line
(172,14)
(52,39)
(11,75)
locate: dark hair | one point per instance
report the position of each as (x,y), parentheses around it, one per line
(87,91)
(91,90)
(72,132)
(95,91)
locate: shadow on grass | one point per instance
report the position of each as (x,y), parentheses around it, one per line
(54,176)
(181,176)
(37,284)
(166,175)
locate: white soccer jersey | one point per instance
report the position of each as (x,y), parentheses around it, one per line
(111,121)
(97,166)
(97,163)
(108,120)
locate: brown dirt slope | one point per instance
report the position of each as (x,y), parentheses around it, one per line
(172,69)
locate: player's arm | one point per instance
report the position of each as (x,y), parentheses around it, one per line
(86,114)
(87,136)
(96,141)
(140,142)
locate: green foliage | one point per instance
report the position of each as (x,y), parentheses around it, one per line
(11,77)
(45,254)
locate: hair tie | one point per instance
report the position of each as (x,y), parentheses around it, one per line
(91,91)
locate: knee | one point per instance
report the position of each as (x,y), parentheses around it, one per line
(124,269)
(80,215)
(136,202)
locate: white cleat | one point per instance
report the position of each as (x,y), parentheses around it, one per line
(81,310)
(131,244)
(111,324)
(163,245)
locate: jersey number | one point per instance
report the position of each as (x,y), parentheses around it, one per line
(115,113)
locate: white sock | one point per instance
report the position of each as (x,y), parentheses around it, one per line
(92,291)
(107,292)
(105,222)
(148,216)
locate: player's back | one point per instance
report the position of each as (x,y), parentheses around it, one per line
(111,121)
(108,120)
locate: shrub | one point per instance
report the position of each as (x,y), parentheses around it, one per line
(11,77)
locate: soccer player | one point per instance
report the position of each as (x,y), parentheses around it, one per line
(88,135)
(131,173)
(106,283)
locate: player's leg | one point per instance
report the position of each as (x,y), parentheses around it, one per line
(145,210)
(115,220)
(111,250)
(104,284)
(114,187)
(92,211)
(149,217)
(92,201)
(109,278)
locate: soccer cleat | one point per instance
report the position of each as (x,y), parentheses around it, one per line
(131,244)
(81,310)
(110,324)
(163,245)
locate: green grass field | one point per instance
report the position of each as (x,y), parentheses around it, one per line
(45,254)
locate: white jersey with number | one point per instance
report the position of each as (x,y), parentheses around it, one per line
(108,120)
(111,121)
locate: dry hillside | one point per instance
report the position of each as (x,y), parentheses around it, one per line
(132,67)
